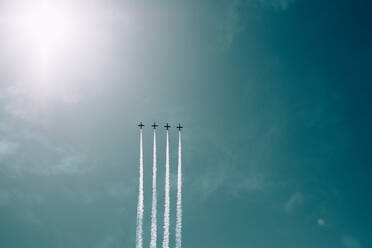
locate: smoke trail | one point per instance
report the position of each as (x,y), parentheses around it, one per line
(179,197)
(154,198)
(140,199)
(166,204)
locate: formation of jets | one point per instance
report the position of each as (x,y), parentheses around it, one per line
(154,126)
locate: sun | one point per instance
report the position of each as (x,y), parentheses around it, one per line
(45,28)
(46,25)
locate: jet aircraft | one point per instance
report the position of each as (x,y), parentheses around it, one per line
(179,127)
(167,126)
(154,126)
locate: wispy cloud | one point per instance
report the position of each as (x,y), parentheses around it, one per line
(233,23)
(32,100)
(5,197)
(277,4)
(21,105)
(210,183)
(321,222)
(22,203)
(115,238)
(248,184)
(37,154)
(7,148)
(350,242)
(232,26)
(231,182)
(294,202)
(253,182)
(69,163)
(109,241)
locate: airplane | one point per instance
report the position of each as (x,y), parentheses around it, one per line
(154,126)
(141,125)
(167,126)
(179,127)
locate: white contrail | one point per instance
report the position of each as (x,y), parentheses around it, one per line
(179,197)
(140,199)
(154,199)
(166,203)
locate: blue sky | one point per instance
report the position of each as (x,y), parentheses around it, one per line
(274,96)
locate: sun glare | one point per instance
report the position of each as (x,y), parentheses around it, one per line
(46,29)
(46,26)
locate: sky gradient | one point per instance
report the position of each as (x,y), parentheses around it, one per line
(274,96)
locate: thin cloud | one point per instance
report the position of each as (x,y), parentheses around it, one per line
(294,202)
(321,222)
(281,5)
(31,102)
(23,203)
(27,155)
(249,184)
(5,197)
(232,26)
(70,164)
(7,148)
(350,242)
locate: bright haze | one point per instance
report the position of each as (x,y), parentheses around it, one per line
(274,97)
